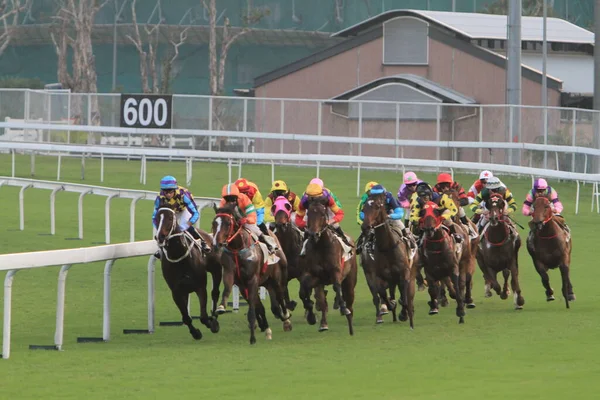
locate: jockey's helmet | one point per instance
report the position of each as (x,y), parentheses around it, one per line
(314,190)
(377,189)
(493,183)
(423,189)
(540,184)
(242,185)
(370,185)
(168,182)
(444,178)
(279,188)
(410,178)
(317,181)
(485,175)
(230,190)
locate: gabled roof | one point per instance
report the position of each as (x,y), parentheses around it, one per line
(446,94)
(484,26)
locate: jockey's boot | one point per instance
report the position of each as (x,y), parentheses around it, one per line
(157,254)
(203,245)
(269,242)
(339,231)
(304,241)
(457,236)
(360,242)
(475,219)
(411,238)
(263,228)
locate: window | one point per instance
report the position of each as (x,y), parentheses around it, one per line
(406,41)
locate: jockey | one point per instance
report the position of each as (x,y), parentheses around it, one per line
(250,189)
(406,191)
(362,201)
(493,185)
(445,205)
(395,214)
(320,183)
(445,184)
(314,190)
(231,195)
(186,209)
(542,189)
(280,188)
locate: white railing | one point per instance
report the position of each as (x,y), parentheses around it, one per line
(317,159)
(83,190)
(67,258)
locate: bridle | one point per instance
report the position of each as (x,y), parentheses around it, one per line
(187,240)
(231,234)
(317,235)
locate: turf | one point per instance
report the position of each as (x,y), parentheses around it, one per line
(544,351)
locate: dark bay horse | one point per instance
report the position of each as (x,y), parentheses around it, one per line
(499,251)
(441,261)
(244,265)
(392,263)
(290,239)
(185,267)
(324,265)
(549,248)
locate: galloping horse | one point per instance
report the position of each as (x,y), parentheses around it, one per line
(184,268)
(499,251)
(245,264)
(550,247)
(290,239)
(392,263)
(324,264)
(440,260)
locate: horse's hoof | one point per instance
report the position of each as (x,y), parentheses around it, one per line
(318,307)
(252,340)
(336,305)
(220,310)
(471,305)
(421,287)
(196,334)
(461,320)
(269,334)
(311,319)
(379,321)
(571,297)
(504,295)
(444,302)
(518,307)
(346,311)
(488,294)
(292,305)
(214,325)
(287,325)
(383,309)
(433,311)
(323,328)
(402,317)
(550,298)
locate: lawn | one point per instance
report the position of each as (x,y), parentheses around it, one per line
(544,351)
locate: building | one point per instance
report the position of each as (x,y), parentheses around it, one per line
(448,62)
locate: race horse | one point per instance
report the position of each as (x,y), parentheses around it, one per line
(440,257)
(290,238)
(185,267)
(326,263)
(550,247)
(391,264)
(499,251)
(245,263)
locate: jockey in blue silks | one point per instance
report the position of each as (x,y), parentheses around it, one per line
(182,201)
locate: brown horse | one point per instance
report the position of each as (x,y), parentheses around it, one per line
(185,267)
(244,265)
(441,260)
(324,265)
(290,238)
(550,247)
(392,263)
(499,251)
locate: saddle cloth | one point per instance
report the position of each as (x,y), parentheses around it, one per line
(347,249)
(267,259)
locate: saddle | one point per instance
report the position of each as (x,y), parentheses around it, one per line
(347,250)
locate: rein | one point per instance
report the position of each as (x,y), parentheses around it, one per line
(236,252)
(497,244)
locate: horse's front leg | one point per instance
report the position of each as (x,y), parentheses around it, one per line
(217,276)
(307,283)
(567,289)
(505,289)
(516,287)
(252,298)
(322,301)
(181,300)
(203,297)
(543,272)
(371,282)
(337,287)
(459,284)
(227,286)
(434,292)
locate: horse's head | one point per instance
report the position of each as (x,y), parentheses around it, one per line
(374,211)
(225,225)
(166,222)
(316,217)
(496,206)
(431,218)
(542,212)
(281,210)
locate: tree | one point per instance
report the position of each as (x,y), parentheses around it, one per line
(9,14)
(148,54)
(531,8)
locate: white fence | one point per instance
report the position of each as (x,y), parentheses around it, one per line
(109,253)
(83,190)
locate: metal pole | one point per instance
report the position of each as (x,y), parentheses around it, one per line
(545,79)
(60,306)
(513,73)
(596,138)
(8,281)
(106,303)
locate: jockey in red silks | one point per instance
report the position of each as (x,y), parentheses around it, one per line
(336,214)
(542,189)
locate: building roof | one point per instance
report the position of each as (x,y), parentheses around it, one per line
(446,94)
(484,26)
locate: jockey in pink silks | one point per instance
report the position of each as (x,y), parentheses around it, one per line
(542,189)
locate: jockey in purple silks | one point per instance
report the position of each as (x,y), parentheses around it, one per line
(406,192)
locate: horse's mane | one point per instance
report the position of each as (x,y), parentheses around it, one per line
(318,200)
(232,209)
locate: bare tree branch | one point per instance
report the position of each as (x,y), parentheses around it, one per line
(11,13)
(137,41)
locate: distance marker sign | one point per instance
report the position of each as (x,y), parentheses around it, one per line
(146,111)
